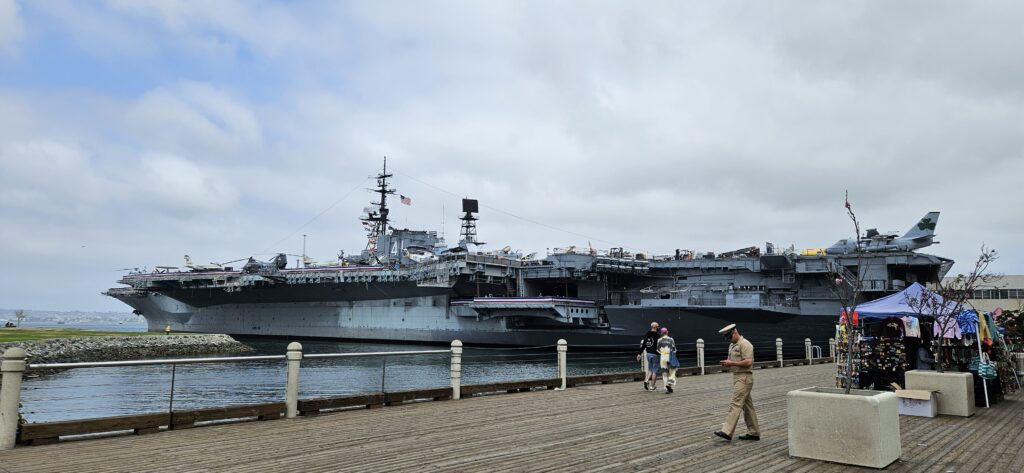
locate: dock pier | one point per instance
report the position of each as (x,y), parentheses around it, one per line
(600,423)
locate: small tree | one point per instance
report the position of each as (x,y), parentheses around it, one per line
(847,287)
(20,315)
(1013,322)
(950,298)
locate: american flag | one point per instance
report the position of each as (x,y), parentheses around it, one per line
(405,200)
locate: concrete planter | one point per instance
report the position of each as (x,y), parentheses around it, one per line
(861,428)
(955,390)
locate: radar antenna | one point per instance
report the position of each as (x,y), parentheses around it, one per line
(467,236)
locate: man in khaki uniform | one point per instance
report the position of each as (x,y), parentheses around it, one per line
(741,357)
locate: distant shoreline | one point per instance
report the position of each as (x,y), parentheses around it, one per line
(101,325)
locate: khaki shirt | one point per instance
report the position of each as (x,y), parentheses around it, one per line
(739,351)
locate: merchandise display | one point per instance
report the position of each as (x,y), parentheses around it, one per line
(891,338)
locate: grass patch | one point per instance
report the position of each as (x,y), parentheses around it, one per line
(23,334)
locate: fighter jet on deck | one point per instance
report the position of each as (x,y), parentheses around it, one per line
(919,236)
(201,267)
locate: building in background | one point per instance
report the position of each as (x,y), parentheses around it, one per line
(1007,293)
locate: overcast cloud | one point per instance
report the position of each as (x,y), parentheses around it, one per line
(134,132)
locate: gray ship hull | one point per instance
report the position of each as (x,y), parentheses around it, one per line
(430,319)
(425,319)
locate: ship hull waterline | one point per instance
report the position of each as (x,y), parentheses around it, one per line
(430,320)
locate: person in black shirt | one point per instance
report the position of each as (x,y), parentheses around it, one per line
(649,352)
(892,327)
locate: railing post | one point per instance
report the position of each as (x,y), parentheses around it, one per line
(778,352)
(832,348)
(12,367)
(563,347)
(700,354)
(456,369)
(807,351)
(291,396)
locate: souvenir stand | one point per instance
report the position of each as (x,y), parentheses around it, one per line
(889,334)
(995,364)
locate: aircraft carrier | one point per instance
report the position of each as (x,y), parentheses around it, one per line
(409,286)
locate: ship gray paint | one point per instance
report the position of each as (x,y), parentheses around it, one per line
(593,300)
(408,286)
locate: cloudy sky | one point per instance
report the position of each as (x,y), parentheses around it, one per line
(134,132)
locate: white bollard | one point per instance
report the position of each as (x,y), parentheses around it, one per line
(807,350)
(563,347)
(778,352)
(12,367)
(291,396)
(832,348)
(456,369)
(700,354)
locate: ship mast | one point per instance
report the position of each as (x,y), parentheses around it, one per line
(376,219)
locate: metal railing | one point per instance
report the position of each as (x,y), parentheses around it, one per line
(14,365)
(619,359)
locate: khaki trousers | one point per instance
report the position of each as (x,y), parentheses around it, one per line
(742,402)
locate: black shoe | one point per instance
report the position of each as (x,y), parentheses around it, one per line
(647,387)
(723,435)
(749,437)
(669,389)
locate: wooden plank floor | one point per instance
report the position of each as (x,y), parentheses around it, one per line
(616,427)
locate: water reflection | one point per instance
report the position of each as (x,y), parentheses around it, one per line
(100,392)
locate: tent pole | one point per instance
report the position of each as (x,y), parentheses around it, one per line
(981,359)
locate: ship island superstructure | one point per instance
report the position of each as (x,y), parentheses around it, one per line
(408,285)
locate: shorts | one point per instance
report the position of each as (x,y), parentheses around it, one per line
(653,362)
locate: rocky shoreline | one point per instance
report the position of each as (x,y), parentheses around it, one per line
(83,349)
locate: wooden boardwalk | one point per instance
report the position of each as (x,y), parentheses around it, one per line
(615,427)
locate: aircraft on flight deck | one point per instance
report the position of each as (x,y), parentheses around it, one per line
(922,234)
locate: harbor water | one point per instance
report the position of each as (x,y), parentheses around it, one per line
(85,393)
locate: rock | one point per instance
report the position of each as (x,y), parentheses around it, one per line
(83,349)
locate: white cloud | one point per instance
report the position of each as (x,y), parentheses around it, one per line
(270,29)
(653,126)
(195,117)
(50,179)
(11,26)
(92,29)
(182,187)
